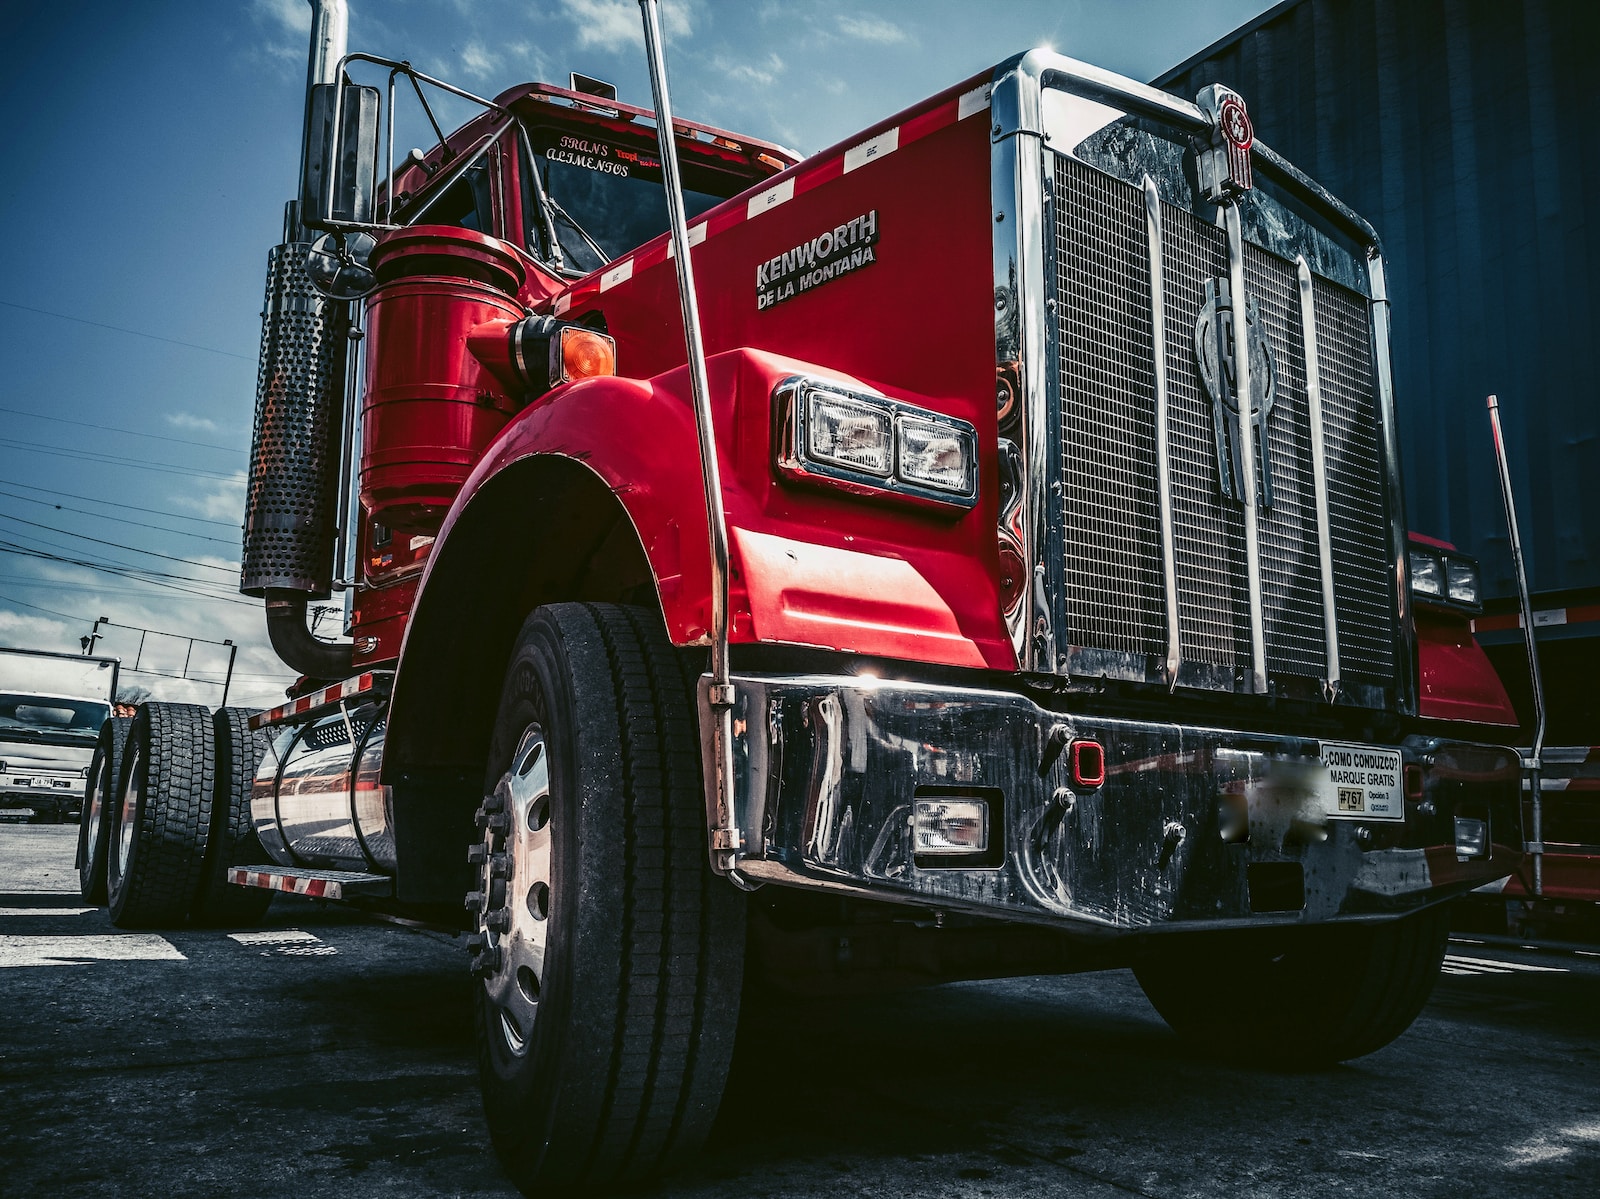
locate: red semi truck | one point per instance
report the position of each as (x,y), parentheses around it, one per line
(1050,611)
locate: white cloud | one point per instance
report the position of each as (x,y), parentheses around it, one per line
(616,25)
(214,499)
(477,62)
(757,74)
(188,420)
(873,29)
(291,16)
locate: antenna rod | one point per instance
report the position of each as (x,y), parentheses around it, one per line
(725,836)
(1531,765)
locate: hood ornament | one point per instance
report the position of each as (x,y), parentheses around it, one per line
(1215,352)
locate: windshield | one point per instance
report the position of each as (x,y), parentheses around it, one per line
(47,714)
(605,198)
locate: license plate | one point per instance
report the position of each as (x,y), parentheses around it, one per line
(1363,781)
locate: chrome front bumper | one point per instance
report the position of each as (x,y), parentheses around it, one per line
(1193,827)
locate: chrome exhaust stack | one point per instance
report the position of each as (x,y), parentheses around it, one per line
(291,501)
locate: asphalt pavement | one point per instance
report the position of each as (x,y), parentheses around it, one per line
(325,1054)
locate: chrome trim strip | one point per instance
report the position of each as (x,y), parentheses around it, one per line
(1319,471)
(1405,665)
(1158,336)
(1017,197)
(1247,448)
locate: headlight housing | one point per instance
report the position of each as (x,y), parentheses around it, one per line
(872,445)
(1445,578)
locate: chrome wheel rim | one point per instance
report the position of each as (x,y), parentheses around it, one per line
(92,809)
(514,883)
(127,813)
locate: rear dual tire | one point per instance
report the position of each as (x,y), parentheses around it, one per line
(181,818)
(611,957)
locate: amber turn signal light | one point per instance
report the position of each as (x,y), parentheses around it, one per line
(582,354)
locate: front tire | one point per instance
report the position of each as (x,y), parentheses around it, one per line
(99,794)
(1330,994)
(611,956)
(162,818)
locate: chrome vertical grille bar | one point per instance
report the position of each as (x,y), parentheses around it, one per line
(1158,334)
(1247,449)
(1319,470)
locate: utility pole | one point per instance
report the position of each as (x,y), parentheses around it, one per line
(88,642)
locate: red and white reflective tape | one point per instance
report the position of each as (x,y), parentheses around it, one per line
(782,188)
(1547,618)
(315,888)
(1568,768)
(326,698)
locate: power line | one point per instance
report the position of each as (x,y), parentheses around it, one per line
(51,611)
(121,520)
(132,549)
(89,499)
(62,316)
(132,573)
(166,468)
(83,424)
(146,570)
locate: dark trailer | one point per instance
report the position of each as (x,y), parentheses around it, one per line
(1465,130)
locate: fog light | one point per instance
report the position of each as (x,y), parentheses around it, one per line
(1472,838)
(950,826)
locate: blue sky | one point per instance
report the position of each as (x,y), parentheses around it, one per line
(150,149)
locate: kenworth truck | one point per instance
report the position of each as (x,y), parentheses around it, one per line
(973,550)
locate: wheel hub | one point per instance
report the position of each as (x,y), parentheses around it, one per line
(512,902)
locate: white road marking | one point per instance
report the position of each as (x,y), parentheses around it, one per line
(76,951)
(44,911)
(280,937)
(1464,965)
(289,942)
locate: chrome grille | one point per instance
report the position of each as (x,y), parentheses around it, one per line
(1112,588)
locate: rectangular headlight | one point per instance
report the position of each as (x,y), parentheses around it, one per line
(932,454)
(833,435)
(1427,573)
(1461,577)
(848,432)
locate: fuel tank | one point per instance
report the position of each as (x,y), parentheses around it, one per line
(429,406)
(317,801)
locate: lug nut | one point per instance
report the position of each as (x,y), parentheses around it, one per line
(497,921)
(476,854)
(499,866)
(499,822)
(475,943)
(474,901)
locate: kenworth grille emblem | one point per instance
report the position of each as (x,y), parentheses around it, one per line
(1214,352)
(1224,156)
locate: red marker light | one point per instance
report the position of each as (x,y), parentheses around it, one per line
(1087,760)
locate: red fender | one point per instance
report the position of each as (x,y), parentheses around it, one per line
(809,566)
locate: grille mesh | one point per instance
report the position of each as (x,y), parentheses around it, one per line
(1113,597)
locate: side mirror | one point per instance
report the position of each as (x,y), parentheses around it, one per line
(341,190)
